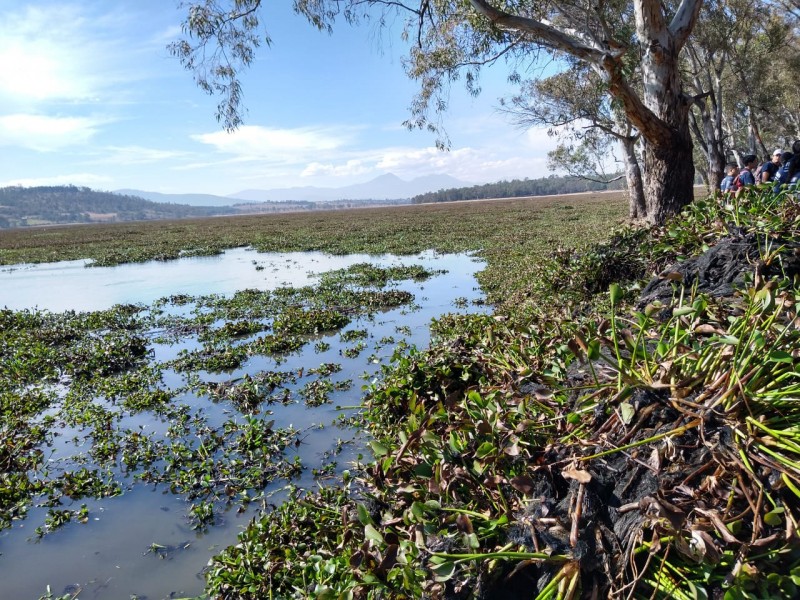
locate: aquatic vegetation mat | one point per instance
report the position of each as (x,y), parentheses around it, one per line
(604,443)
(74,386)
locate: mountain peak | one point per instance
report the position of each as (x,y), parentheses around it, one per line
(383,187)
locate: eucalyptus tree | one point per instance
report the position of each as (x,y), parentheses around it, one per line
(707,57)
(454,37)
(577,109)
(754,91)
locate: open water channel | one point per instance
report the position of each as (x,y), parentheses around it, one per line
(141,544)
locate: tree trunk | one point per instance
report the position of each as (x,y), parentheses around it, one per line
(669,178)
(637,208)
(663,116)
(716,158)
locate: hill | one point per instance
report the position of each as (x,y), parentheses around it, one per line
(21,207)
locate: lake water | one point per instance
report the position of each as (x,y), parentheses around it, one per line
(108,557)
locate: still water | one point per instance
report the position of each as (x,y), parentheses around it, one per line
(108,557)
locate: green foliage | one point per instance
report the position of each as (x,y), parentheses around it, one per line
(542,186)
(69,204)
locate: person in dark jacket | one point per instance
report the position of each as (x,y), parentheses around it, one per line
(770,168)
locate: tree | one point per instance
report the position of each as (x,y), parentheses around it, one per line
(575,105)
(451,37)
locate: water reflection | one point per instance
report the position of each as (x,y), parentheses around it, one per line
(71,285)
(112,556)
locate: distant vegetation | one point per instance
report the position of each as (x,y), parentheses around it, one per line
(63,205)
(517,188)
(21,207)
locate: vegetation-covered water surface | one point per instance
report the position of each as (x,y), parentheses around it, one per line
(596,436)
(217,401)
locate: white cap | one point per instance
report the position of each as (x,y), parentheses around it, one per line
(777,151)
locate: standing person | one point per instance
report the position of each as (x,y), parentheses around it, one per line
(727,181)
(770,168)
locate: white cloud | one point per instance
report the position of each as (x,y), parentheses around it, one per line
(79,179)
(46,134)
(349,169)
(43,55)
(136,155)
(253,142)
(68,52)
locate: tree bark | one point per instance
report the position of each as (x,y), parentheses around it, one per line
(637,207)
(669,178)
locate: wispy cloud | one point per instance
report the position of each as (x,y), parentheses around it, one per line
(136,155)
(82,179)
(253,142)
(45,133)
(351,168)
(68,52)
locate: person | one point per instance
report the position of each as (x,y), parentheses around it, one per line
(745,177)
(788,173)
(727,181)
(770,168)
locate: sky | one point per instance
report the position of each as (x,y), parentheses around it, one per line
(90,96)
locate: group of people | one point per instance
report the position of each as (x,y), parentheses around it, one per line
(782,168)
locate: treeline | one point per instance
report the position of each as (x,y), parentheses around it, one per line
(545,186)
(51,205)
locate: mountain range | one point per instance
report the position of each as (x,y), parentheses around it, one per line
(384,187)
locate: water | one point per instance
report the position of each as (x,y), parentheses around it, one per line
(109,557)
(70,285)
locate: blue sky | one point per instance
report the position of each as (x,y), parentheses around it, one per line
(90,96)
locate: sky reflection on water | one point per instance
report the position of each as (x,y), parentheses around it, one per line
(71,285)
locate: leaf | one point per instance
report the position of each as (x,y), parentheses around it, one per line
(706,328)
(522,483)
(378,449)
(485,449)
(578,475)
(363,515)
(471,541)
(774,517)
(512,449)
(780,356)
(373,534)
(444,571)
(593,350)
(627,412)
(615,292)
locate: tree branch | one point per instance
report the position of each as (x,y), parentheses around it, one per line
(683,21)
(546,34)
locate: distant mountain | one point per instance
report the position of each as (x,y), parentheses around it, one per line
(50,205)
(384,187)
(190,199)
